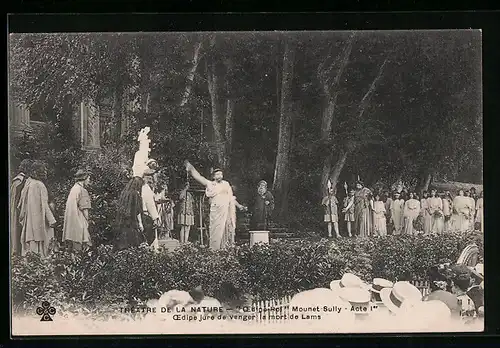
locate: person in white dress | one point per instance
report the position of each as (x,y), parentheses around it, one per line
(397,207)
(436,211)
(461,212)
(479,212)
(379,220)
(472,210)
(447,210)
(424,205)
(411,212)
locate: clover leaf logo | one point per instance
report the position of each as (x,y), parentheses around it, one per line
(46,310)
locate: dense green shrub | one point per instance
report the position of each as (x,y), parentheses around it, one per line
(280,268)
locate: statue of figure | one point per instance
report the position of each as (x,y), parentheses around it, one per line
(142,155)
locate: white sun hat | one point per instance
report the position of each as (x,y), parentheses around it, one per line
(379,284)
(424,315)
(348,280)
(401,292)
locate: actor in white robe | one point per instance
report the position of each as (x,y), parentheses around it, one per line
(447,211)
(397,207)
(411,212)
(424,205)
(436,210)
(479,211)
(461,212)
(221,199)
(379,220)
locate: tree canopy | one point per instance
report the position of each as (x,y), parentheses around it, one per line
(381,105)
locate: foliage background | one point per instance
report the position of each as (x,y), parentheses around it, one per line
(414,125)
(104,277)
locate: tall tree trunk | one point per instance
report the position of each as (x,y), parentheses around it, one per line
(192,71)
(425,180)
(230,105)
(213,89)
(282,168)
(229,131)
(337,168)
(331,93)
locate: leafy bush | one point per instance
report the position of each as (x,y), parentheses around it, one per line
(280,268)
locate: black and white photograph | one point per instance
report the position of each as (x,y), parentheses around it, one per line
(246,182)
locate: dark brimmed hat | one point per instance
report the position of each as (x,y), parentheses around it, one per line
(262,182)
(82,174)
(215,170)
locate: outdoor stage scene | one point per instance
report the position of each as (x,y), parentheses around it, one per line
(246,182)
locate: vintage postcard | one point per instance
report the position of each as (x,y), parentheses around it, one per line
(246,182)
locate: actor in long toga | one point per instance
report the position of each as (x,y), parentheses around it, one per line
(220,194)
(35,215)
(362,210)
(16,187)
(76,214)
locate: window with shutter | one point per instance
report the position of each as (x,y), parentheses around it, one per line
(89,127)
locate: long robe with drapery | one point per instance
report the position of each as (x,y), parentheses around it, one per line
(221,199)
(447,211)
(362,212)
(16,187)
(411,212)
(437,216)
(472,213)
(36,218)
(461,213)
(424,204)
(229,233)
(76,226)
(397,210)
(379,220)
(479,212)
(127,232)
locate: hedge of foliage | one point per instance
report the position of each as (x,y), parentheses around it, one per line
(263,271)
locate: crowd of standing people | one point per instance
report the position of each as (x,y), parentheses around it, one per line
(145,210)
(367,212)
(144,214)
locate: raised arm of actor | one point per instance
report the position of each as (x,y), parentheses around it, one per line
(196,175)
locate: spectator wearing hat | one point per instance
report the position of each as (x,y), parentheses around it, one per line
(377,285)
(348,280)
(263,207)
(16,186)
(401,292)
(76,215)
(449,299)
(424,315)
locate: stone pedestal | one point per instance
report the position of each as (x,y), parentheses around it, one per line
(169,244)
(259,237)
